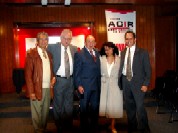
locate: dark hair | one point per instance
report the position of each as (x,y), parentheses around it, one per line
(110,45)
(41,33)
(130,31)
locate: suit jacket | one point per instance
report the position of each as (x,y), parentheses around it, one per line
(141,68)
(86,70)
(55,50)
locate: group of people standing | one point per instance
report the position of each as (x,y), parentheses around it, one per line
(100,77)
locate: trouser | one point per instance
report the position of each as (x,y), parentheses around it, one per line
(40,111)
(134,103)
(63,102)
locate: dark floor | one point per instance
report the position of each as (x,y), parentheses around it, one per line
(15,117)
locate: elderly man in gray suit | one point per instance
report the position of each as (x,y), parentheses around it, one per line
(63,90)
(135,73)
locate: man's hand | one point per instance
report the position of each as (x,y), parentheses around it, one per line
(32,96)
(144,88)
(80,89)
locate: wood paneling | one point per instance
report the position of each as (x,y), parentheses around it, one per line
(6,50)
(145,28)
(165,44)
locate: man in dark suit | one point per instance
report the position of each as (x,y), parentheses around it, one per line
(134,83)
(63,89)
(87,81)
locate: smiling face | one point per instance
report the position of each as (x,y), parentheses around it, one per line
(108,51)
(66,37)
(90,42)
(42,40)
(130,40)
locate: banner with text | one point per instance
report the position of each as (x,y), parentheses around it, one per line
(118,22)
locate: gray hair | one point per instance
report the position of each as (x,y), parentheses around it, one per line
(65,31)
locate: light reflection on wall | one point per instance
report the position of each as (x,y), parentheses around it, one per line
(1,30)
(102,28)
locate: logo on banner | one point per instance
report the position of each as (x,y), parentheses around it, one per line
(116,25)
(118,22)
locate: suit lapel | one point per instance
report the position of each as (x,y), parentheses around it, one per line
(97,55)
(58,50)
(72,51)
(87,53)
(135,55)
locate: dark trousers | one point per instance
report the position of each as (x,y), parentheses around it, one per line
(89,107)
(63,103)
(134,103)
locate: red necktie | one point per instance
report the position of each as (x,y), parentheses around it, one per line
(94,57)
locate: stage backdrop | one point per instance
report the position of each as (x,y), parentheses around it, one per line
(27,38)
(118,22)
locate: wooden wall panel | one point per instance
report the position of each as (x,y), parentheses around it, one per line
(6,50)
(145,28)
(165,44)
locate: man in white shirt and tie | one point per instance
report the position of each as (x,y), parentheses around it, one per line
(135,82)
(63,89)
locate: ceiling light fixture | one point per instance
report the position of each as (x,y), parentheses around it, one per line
(44,2)
(67,2)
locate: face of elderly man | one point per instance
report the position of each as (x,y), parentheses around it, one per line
(66,37)
(90,42)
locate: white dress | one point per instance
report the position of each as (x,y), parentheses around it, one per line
(111,97)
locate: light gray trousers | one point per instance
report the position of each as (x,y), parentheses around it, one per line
(40,111)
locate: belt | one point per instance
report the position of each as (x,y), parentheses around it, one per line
(64,77)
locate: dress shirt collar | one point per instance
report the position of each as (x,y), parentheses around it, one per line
(91,50)
(132,48)
(39,50)
(63,48)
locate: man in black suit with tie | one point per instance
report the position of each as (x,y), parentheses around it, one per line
(134,81)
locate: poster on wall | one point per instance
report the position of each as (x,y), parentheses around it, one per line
(118,22)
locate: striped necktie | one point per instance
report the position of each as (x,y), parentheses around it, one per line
(129,70)
(67,64)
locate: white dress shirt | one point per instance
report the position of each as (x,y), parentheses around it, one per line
(92,51)
(46,69)
(132,51)
(61,70)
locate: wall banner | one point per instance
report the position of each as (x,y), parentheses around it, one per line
(118,22)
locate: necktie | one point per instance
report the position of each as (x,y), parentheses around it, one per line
(44,54)
(67,64)
(129,70)
(94,57)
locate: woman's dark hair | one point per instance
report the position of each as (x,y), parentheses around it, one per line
(110,45)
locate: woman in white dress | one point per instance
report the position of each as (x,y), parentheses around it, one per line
(111,97)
